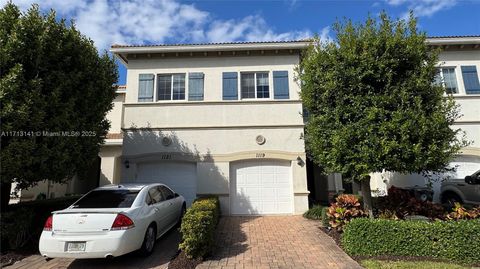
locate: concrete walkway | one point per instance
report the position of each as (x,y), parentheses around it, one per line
(275,242)
(165,248)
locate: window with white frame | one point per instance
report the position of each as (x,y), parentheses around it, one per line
(446,78)
(171,87)
(254,85)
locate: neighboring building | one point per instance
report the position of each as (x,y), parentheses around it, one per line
(102,172)
(221,119)
(459,69)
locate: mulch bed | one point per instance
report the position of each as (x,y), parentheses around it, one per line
(180,261)
(10,258)
(336,236)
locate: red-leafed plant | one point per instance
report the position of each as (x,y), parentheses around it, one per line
(400,203)
(346,208)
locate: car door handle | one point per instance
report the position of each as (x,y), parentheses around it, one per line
(156,209)
(171,203)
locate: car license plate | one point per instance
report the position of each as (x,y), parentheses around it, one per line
(76,246)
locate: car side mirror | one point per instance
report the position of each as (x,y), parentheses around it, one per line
(470,180)
(176,195)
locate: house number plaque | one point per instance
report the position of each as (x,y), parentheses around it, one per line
(166,156)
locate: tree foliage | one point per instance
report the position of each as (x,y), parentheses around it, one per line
(52,79)
(372,102)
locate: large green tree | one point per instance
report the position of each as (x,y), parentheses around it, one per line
(373,105)
(52,79)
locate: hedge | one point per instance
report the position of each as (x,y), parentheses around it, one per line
(458,241)
(22,223)
(198,227)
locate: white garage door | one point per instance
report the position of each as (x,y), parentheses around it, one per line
(261,187)
(180,176)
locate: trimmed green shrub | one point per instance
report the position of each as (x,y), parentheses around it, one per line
(458,241)
(314,213)
(198,227)
(22,224)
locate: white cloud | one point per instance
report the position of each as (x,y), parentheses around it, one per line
(158,21)
(250,28)
(423,8)
(325,35)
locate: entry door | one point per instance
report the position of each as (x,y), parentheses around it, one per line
(261,187)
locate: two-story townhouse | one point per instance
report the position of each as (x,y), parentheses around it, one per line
(220,119)
(226,119)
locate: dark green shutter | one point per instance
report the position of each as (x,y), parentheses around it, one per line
(280,85)
(230,86)
(470,79)
(145,87)
(195,86)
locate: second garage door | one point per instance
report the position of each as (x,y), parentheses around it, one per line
(180,176)
(261,187)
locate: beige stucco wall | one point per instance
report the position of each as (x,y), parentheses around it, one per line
(51,190)
(215,114)
(110,167)
(115,115)
(215,142)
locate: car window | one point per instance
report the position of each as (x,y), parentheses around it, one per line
(107,199)
(167,193)
(155,195)
(148,199)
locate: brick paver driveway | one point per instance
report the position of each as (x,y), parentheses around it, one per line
(275,242)
(165,249)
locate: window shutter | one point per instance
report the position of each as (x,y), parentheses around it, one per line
(280,85)
(230,86)
(145,88)
(195,86)
(470,79)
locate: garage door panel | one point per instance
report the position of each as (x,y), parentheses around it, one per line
(180,176)
(262,187)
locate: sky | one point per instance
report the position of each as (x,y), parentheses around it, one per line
(109,22)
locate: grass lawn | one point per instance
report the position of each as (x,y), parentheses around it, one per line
(377,264)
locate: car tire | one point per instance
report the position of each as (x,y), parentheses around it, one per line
(149,241)
(184,210)
(450,199)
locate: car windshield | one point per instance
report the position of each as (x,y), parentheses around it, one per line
(107,199)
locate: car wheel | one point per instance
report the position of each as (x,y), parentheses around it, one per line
(184,209)
(149,241)
(450,199)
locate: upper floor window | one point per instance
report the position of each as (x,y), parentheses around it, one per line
(254,85)
(171,87)
(446,78)
(470,79)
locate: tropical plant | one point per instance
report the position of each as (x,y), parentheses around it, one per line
(460,213)
(345,208)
